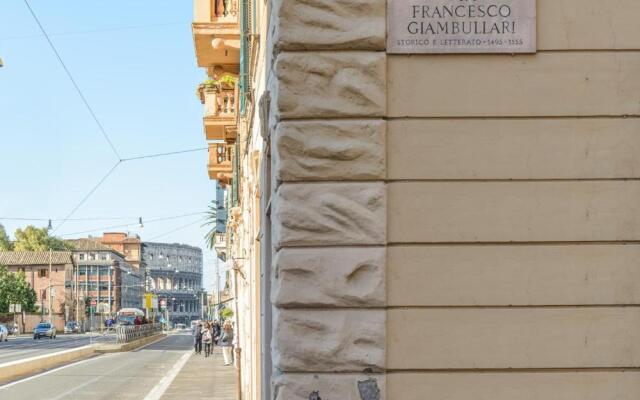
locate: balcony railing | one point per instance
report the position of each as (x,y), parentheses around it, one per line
(220,109)
(220,166)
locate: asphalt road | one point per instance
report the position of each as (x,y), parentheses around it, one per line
(128,375)
(21,347)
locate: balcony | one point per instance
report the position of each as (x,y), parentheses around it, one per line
(220,105)
(216,32)
(220,166)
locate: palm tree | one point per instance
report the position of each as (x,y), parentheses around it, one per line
(211,221)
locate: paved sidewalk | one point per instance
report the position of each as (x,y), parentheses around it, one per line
(204,378)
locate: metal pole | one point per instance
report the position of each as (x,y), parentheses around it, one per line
(77,268)
(110,269)
(218,288)
(50,297)
(238,349)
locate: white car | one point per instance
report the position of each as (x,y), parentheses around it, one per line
(4,333)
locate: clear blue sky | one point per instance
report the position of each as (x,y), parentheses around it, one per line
(140,82)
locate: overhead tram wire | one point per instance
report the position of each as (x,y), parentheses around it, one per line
(86,197)
(163,154)
(101,30)
(104,178)
(176,229)
(95,118)
(146,221)
(73,81)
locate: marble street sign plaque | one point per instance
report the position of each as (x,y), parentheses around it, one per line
(461,26)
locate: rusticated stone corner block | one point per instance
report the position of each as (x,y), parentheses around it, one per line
(329,386)
(327,85)
(329,340)
(329,277)
(329,24)
(326,214)
(330,150)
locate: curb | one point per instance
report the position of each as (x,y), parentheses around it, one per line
(17,368)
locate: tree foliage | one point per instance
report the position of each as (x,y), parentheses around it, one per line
(5,243)
(14,289)
(211,222)
(226,313)
(38,239)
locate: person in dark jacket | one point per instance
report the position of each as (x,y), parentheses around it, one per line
(197,338)
(217,330)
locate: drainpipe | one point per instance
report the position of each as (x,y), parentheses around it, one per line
(238,350)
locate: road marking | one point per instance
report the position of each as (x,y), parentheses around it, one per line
(90,381)
(8,385)
(162,386)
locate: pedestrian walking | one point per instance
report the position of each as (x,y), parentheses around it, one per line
(217,330)
(197,338)
(226,342)
(207,339)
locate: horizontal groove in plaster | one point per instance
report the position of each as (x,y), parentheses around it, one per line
(515,370)
(539,243)
(498,118)
(456,117)
(384,50)
(500,307)
(444,180)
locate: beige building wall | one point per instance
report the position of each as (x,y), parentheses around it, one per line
(458,227)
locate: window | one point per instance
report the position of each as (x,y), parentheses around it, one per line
(81,256)
(43,294)
(92,256)
(104,256)
(42,273)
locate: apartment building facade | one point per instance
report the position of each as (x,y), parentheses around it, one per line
(444,199)
(230,44)
(103,274)
(455,225)
(49,274)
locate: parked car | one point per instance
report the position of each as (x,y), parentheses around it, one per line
(13,329)
(4,333)
(72,327)
(44,329)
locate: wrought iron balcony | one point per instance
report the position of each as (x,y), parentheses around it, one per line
(220,166)
(216,32)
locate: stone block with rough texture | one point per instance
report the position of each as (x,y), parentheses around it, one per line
(326,214)
(329,386)
(329,24)
(330,150)
(328,85)
(329,340)
(329,277)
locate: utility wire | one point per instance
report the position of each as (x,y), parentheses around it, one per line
(163,154)
(133,223)
(101,30)
(176,229)
(85,198)
(73,81)
(69,219)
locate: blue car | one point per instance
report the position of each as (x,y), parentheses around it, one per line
(44,329)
